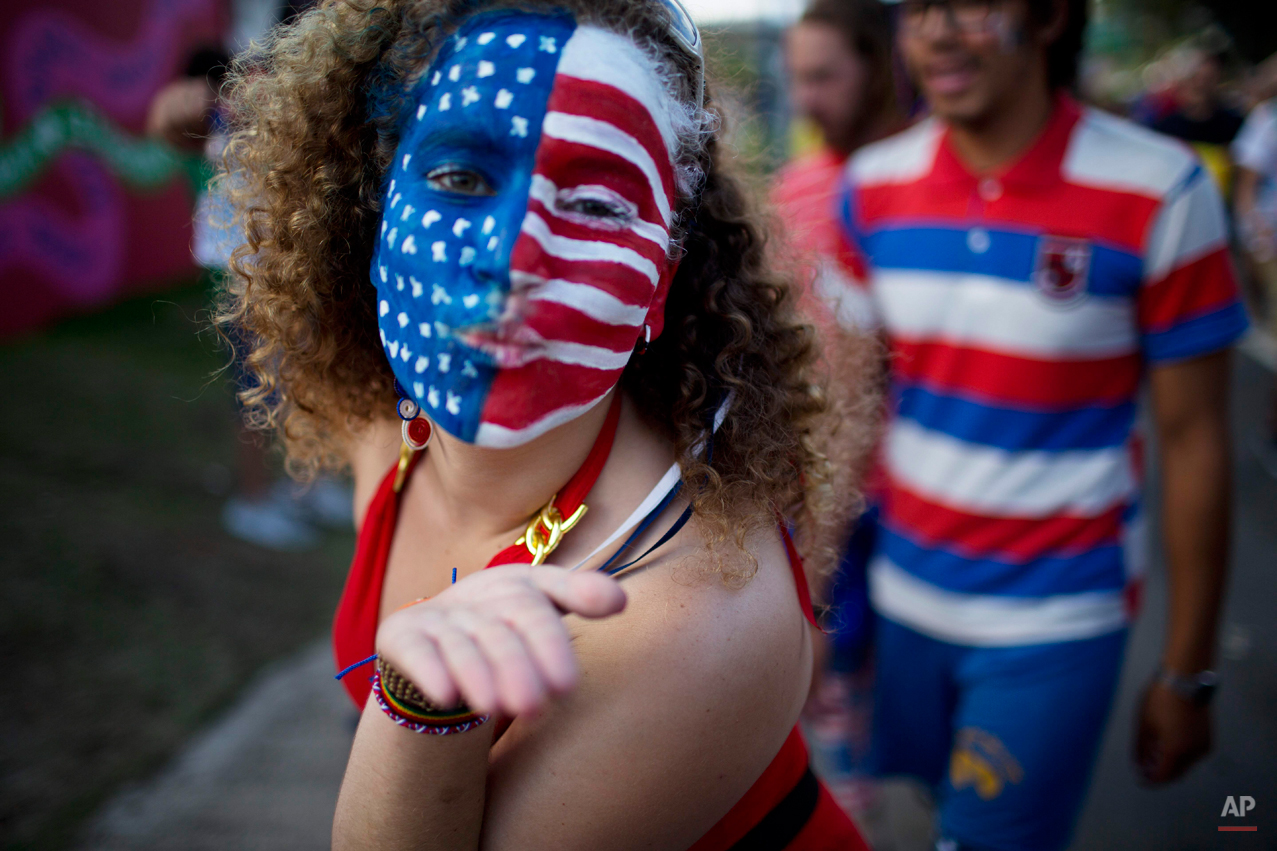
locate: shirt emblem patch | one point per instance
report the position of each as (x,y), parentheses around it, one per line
(1061,269)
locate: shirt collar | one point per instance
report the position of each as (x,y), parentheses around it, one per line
(1037,167)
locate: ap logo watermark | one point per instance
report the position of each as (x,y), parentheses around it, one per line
(1237,805)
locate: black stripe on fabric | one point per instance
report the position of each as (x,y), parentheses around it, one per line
(669,533)
(779,827)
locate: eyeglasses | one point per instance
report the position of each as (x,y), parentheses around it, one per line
(680,27)
(966,16)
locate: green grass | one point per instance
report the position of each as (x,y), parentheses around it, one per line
(128,618)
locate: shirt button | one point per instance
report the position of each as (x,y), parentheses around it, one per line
(990,189)
(978,240)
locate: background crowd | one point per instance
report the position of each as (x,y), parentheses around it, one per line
(983,656)
(1006,541)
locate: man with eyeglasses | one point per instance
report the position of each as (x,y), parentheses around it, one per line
(1033,263)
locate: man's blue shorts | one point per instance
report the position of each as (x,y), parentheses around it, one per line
(1007,736)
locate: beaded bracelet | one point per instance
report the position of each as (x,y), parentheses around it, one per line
(408,707)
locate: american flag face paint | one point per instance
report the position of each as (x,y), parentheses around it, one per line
(525,235)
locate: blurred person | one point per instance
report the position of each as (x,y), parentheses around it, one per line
(1034,263)
(1259,84)
(187,113)
(1255,204)
(1156,100)
(1198,115)
(510,224)
(838,59)
(838,64)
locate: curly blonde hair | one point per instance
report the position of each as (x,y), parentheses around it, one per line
(315,113)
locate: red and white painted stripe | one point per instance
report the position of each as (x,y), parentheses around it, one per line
(590,283)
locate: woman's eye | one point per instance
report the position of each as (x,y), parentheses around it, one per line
(595,208)
(459,181)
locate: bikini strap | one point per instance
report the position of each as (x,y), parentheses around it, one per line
(800,575)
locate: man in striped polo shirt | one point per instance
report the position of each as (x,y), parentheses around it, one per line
(1033,263)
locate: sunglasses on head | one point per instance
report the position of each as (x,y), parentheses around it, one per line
(680,27)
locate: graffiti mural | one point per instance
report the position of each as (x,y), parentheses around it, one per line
(90,210)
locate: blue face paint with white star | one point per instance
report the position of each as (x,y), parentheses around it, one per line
(454,204)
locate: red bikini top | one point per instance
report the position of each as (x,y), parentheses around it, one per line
(786,809)
(358,611)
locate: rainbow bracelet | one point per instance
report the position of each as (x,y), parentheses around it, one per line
(404,705)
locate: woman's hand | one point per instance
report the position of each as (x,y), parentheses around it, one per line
(496,639)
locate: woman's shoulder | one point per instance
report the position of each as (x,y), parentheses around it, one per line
(721,628)
(734,602)
(684,698)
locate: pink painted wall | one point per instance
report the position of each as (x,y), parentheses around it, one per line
(91,212)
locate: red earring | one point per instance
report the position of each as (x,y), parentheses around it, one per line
(417,433)
(417,430)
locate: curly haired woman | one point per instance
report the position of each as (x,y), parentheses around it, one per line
(511,224)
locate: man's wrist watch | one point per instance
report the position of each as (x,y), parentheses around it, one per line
(1197,689)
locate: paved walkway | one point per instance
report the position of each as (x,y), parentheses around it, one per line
(263,778)
(1120,814)
(266,776)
